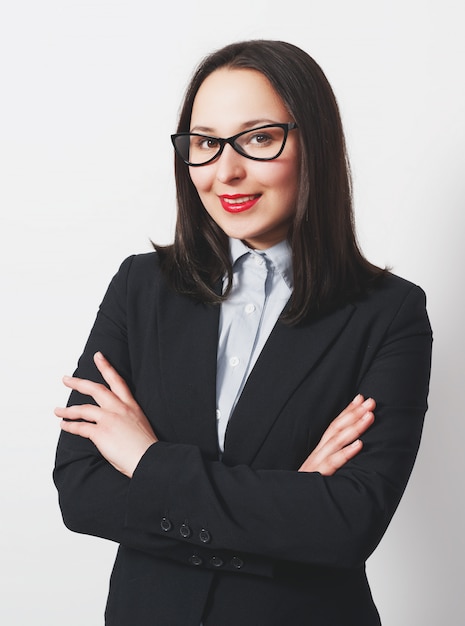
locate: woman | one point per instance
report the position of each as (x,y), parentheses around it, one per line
(201,431)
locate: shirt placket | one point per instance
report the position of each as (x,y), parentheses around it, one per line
(249,303)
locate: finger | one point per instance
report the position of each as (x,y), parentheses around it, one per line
(110,375)
(99,392)
(83,429)
(353,429)
(87,412)
(355,408)
(353,411)
(350,415)
(357,401)
(340,458)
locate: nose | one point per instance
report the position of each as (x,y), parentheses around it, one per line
(230,165)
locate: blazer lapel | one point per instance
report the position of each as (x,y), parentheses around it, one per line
(188,338)
(287,358)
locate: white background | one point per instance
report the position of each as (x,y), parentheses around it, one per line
(89,95)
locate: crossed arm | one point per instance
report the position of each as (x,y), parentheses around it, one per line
(338,509)
(122,433)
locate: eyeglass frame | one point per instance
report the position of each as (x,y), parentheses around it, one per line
(287,126)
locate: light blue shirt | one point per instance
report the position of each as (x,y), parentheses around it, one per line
(261,287)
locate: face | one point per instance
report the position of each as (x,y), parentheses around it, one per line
(249,200)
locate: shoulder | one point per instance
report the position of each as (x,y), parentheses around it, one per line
(136,279)
(391,291)
(394,300)
(137,272)
(139,266)
(142,281)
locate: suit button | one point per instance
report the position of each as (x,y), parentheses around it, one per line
(185,531)
(237,562)
(166,524)
(216,561)
(195,560)
(204,536)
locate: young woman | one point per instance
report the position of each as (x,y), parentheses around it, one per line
(222,425)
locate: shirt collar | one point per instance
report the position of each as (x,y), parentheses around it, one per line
(280,256)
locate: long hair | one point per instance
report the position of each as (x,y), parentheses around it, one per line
(328,265)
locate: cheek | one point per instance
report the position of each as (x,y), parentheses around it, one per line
(280,172)
(201,178)
(282,179)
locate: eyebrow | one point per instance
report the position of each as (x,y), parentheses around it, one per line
(246,125)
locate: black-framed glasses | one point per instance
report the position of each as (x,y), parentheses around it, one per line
(263,143)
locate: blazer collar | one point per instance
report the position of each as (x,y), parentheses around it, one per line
(188,338)
(287,358)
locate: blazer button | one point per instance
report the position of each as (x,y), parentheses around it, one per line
(216,561)
(204,536)
(185,531)
(166,524)
(237,562)
(195,560)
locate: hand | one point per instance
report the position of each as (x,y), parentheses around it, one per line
(117,426)
(340,441)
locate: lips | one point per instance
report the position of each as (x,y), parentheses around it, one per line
(238,203)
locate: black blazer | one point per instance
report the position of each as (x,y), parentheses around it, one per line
(248,540)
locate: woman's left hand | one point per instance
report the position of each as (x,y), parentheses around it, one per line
(117,426)
(340,441)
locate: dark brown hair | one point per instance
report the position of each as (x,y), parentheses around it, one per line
(328,265)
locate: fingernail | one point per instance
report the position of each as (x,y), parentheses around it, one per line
(98,355)
(357,397)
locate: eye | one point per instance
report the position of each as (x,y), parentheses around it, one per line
(206,143)
(260,138)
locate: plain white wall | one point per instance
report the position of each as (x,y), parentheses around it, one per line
(89,95)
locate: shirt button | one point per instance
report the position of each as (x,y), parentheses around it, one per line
(250,308)
(204,536)
(166,524)
(216,561)
(233,361)
(185,531)
(218,414)
(258,259)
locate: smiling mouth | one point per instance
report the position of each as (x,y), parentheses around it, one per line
(238,203)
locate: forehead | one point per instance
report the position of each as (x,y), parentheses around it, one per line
(231,99)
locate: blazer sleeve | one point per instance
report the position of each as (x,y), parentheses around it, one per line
(180,505)
(93,495)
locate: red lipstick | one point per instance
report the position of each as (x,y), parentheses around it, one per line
(237,203)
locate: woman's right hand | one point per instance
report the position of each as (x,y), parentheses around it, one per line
(340,441)
(116,424)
